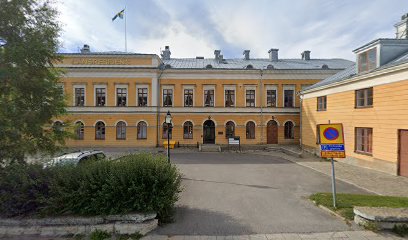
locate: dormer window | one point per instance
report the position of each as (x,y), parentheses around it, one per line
(367,60)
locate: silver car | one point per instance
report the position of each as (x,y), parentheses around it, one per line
(75,158)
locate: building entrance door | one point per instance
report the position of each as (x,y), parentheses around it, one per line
(209,132)
(403,153)
(272,132)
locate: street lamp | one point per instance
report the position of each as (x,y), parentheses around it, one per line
(169,123)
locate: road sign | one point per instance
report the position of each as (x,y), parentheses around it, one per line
(332,147)
(331,133)
(332,154)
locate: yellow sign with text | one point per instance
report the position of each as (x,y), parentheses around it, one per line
(331,133)
(332,154)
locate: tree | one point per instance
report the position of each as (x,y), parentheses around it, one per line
(30,94)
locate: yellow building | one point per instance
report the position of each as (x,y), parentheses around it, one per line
(370,99)
(121,99)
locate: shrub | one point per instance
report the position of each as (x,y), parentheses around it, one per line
(24,189)
(134,183)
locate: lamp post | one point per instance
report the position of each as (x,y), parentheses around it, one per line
(169,123)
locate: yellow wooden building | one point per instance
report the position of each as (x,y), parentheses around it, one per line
(370,99)
(121,99)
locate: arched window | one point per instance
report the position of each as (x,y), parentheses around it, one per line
(289,131)
(121,130)
(230,129)
(164,134)
(100,131)
(250,130)
(58,126)
(188,130)
(141,130)
(79,130)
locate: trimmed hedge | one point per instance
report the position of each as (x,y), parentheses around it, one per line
(134,183)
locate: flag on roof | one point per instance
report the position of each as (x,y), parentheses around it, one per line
(119,14)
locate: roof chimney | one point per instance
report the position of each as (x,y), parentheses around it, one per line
(166,53)
(402,27)
(85,49)
(246,53)
(273,54)
(306,55)
(217,54)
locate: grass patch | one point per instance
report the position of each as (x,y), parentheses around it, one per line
(346,202)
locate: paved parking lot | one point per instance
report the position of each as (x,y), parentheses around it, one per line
(235,194)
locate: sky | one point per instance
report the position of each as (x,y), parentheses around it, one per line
(328,28)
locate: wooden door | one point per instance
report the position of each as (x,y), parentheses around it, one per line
(403,153)
(209,132)
(272,132)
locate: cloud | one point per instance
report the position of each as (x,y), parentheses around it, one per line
(330,29)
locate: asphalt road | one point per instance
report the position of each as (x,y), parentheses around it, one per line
(234,194)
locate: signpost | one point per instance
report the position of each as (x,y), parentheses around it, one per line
(331,139)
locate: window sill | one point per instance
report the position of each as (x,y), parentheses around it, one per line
(358,107)
(120,139)
(321,110)
(99,139)
(364,153)
(141,138)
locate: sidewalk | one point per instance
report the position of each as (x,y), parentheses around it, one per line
(352,235)
(367,179)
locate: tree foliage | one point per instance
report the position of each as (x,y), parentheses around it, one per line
(30,95)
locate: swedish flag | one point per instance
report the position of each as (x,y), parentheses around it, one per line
(119,14)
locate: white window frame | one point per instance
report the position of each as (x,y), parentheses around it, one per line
(168,87)
(271,87)
(138,86)
(74,87)
(106,92)
(209,87)
(289,87)
(127,93)
(231,87)
(188,87)
(250,88)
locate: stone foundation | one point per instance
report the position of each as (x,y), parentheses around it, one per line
(69,226)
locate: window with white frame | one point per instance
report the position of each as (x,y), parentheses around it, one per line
(209,97)
(289,96)
(142,130)
(188,97)
(100,95)
(229,96)
(271,96)
(121,96)
(250,95)
(79,95)
(142,95)
(168,97)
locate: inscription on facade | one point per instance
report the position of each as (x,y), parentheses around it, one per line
(101,61)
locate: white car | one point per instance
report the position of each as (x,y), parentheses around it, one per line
(75,158)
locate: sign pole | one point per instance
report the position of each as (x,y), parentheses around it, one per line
(333,183)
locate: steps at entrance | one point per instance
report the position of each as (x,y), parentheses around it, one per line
(209,148)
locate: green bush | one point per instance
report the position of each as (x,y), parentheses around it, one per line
(24,189)
(134,183)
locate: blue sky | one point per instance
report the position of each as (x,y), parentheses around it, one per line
(329,28)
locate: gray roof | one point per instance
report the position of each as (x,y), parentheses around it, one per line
(313,64)
(352,71)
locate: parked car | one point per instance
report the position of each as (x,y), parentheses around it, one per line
(79,157)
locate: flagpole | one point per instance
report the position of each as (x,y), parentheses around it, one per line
(125,31)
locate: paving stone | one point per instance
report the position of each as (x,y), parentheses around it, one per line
(275,236)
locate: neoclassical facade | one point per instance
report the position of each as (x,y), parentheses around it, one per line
(120,99)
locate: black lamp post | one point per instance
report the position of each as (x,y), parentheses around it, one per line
(169,123)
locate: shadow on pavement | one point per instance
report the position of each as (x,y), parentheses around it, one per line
(225,158)
(193,221)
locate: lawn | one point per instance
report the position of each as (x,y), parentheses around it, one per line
(346,202)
